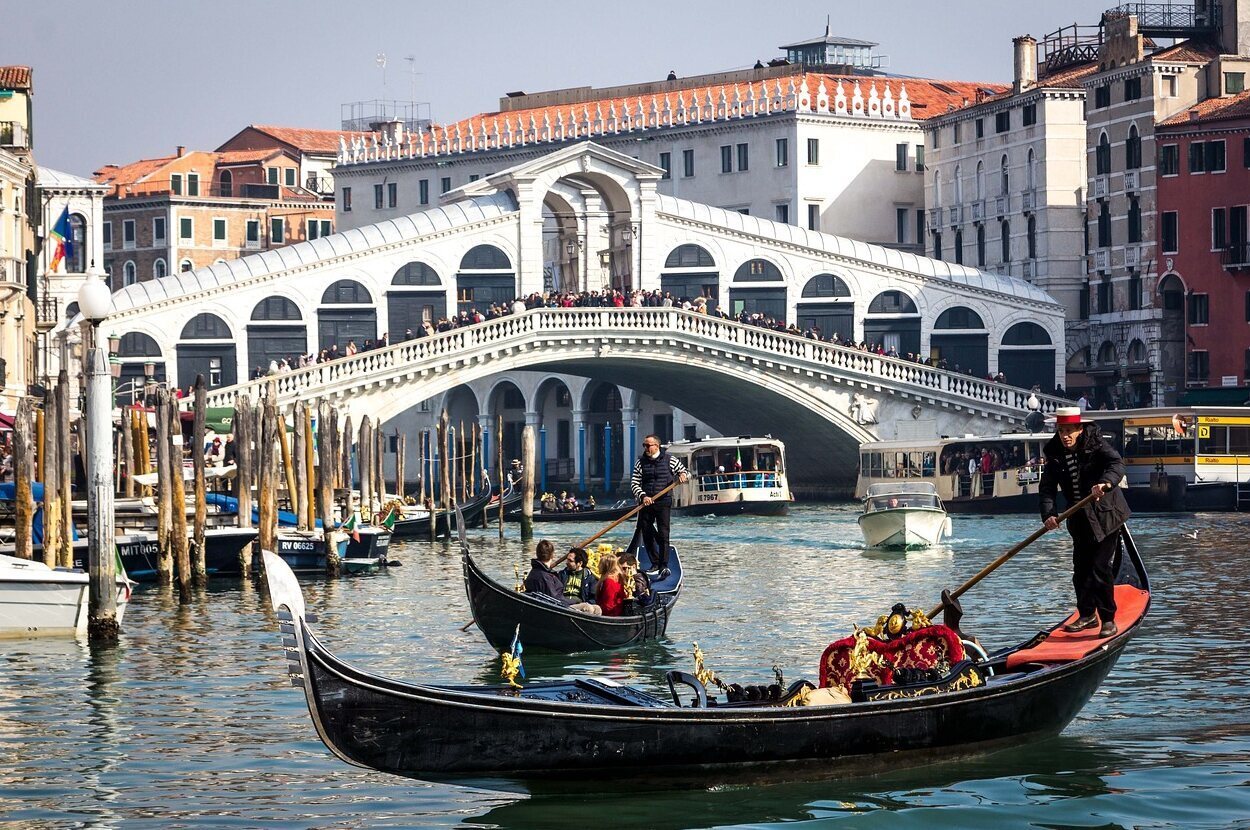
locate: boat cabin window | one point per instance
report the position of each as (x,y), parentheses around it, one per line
(1153,441)
(1219,440)
(985,457)
(722,468)
(897,464)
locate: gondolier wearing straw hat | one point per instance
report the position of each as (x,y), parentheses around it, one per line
(1080,462)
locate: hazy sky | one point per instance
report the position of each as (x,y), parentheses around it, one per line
(121,80)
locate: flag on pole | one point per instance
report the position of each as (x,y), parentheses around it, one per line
(738,460)
(512,665)
(391,517)
(350,527)
(65,240)
(121,569)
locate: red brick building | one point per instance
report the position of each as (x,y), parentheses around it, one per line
(1204,241)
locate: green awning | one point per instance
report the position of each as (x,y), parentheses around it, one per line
(1215,396)
(218,419)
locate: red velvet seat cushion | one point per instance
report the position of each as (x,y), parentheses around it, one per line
(924,648)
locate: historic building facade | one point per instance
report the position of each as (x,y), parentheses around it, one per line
(18,242)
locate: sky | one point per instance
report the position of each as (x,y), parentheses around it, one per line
(122,80)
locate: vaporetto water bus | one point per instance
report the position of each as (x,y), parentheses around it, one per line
(732,476)
(972,474)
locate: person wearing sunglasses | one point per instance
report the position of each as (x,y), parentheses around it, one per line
(655,470)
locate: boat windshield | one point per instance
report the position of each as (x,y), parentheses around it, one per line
(902,500)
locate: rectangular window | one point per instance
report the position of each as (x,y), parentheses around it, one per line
(326,227)
(377,197)
(423,192)
(106,234)
(1028,115)
(289,176)
(175,184)
(445,184)
(1248,306)
(1245,372)
(1132,89)
(1102,97)
(271,175)
(1199,367)
(312,229)
(193,184)
(783,152)
(937,138)
(919,158)
(900,156)
(1215,156)
(158,230)
(347,200)
(687,163)
(1002,121)
(1104,224)
(1134,219)
(219,232)
(956,130)
(1169,233)
(1219,229)
(920,227)
(782,213)
(1105,296)
(1167,86)
(128,233)
(666,164)
(980,125)
(186,228)
(902,218)
(392,194)
(1199,310)
(1169,160)
(1197,157)
(813,151)
(744,160)
(727,158)
(1234,83)
(253,233)
(474,177)
(277,231)
(813,216)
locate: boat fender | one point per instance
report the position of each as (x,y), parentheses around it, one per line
(974,648)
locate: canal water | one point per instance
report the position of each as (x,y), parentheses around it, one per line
(190,722)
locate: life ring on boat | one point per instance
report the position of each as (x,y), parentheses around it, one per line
(982,657)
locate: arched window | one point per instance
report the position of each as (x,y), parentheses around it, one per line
(1106,353)
(485,258)
(689,256)
(416,273)
(980,246)
(980,180)
(128,273)
(1031,334)
(1102,156)
(77,260)
(1032,237)
(959,247)
(185,265)
(959,317)
(892,302)
(1004,178)
(206,326)
(1031,170)
(225,184)
(158,268)
(758,270)
(275,308)
(1132,149)
(137,344)
(959,185)
(825,285)
(1137,352)
(937,244)
(937,190)
(1005,239)
(346,292)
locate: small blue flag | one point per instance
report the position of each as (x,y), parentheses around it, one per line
(517,648)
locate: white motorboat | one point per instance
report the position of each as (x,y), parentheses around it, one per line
(38,600)
(903,515)
(732,477)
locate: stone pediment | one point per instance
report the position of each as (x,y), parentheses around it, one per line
(584,157)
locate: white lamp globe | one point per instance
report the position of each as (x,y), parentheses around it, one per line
(95,301)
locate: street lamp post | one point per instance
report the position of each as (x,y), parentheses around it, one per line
(95,301)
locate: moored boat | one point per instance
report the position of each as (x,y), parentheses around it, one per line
(732,477)
(906,514)
(592,514)
(419,527)
(38,600)
(595,728)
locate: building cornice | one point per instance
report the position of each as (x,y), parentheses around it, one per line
(1029,96)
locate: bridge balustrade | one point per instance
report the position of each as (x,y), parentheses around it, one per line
(470,342)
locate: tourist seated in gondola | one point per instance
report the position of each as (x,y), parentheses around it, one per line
(579,582)
(642,593)
(610,593)
(542,579)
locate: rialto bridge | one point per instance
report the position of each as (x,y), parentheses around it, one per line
(531,229)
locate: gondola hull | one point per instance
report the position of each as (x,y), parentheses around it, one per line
(598,514)
(420,528)
(498,610)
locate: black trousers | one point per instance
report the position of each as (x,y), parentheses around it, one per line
(653,530)
(1092,576)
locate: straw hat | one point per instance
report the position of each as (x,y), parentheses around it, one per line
(1068,415)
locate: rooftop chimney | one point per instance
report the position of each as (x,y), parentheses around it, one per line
(1025,62)
(181,150)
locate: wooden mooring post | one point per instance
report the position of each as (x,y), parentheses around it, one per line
(23,454)
(199,570)
(244,426)
(181,539)
(164,491)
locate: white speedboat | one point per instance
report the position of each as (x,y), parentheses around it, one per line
(903,515)
(37,600)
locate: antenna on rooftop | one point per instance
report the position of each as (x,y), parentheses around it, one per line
(413,73)
(380,60)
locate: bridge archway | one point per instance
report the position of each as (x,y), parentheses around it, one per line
(553,401)
(960,338)
(605,442)
(276,331)
(206,347)
(416,295)
(893,321)
(506,400)
(135,351)
(827,304)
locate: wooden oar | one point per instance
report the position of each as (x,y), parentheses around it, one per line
(627,515)
(465,627)
(993,566)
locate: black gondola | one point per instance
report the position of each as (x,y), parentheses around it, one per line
(588,727)
(598,514)
(547,623)
(419,528)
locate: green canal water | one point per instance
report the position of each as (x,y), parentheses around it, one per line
(190,721)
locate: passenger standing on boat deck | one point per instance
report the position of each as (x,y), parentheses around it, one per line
(542,579)
(1079,461)
(653,471)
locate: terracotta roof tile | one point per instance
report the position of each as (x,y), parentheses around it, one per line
(1188,51)
(246,156)
(1069,77)
(1213,109)
(125,174)
(308,140)
(14,77)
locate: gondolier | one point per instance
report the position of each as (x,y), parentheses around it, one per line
(654,470)
(1081,462)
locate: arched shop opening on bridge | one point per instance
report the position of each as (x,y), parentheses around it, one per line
(141,360)
(346,315)
(1027,357)
(486,277)
(207,348)
(758,287)
(960,338)
(894,322)
(827,306)
(689,272)
(417,295)
(276,331)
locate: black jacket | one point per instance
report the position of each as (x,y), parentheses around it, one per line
(651,475)
(1098,463)
(543,580)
